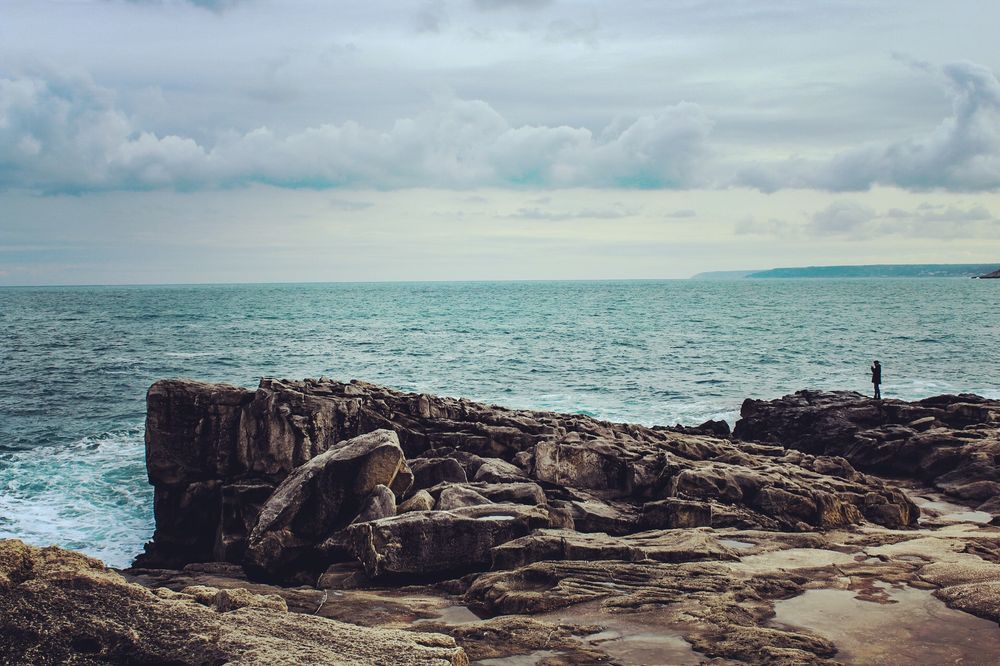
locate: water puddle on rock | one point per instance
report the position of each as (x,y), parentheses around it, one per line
(532,659)
(736,544)
(628,638)
(914,629)
(451,616)
(935,506)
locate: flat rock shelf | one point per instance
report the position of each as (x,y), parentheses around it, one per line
(324,522)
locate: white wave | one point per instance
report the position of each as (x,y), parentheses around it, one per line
(90,495)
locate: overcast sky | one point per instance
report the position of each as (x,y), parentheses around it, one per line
(255,140)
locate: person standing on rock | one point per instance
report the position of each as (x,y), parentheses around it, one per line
(877,378)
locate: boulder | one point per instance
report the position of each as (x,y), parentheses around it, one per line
(421,501)
(595,465)
(521,492)
(661,545)
(495,470)
(317,499)
(428,472)
(455,497)
(380,504)
(428,543)
(675,513)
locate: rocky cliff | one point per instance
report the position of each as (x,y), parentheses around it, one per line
(297,476)
(951,442)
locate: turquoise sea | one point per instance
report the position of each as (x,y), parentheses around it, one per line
(75,362)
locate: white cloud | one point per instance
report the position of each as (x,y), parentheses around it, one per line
(961,154)
(68,135)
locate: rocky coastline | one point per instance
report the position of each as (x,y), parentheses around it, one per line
(347,523)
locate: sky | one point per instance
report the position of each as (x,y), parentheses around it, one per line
(178,141)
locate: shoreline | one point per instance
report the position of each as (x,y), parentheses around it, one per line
(522,534)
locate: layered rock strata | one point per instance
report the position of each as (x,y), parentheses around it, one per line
(297,476)
(950,441)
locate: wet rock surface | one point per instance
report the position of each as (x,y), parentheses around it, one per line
(519,537)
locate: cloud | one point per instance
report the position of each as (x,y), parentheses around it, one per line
(850,220)
(350,205)
(211,5)
(683,213)
(69,135)
(616,212)
(61,133)
(841,218)
(511,4)
(751,226)
(431,17)
(855,221)
(961,154)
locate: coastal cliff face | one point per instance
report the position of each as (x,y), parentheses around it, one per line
(950,442)
(298,476)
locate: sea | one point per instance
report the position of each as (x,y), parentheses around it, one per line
(75,362)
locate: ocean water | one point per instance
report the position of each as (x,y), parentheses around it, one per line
(75,362)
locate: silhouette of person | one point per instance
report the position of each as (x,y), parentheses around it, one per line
(877,378)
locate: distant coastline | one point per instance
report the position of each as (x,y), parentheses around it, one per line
(865,271)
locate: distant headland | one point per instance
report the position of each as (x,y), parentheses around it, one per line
(867,271)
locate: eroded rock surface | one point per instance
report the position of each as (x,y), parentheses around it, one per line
(951,441)
(60,607)
(271,478)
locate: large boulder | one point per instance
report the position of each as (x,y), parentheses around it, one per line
(428,543)
(320,497)
(594,465)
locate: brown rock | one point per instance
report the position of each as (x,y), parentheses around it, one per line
(433,542)
(318,498)
(59,607)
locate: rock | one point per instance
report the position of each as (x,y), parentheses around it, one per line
(241,490)
(428,472)
(343,576)
(421,501)
(710,427)
(59,607)
(433,542)
(230,599)
(951,442)
(660,545)
(596,466)
(380,504)
(982,598)
(673,513)
(591,514)
(241,505)
(494,470)
(523,492)
(455,497)
(317,499)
